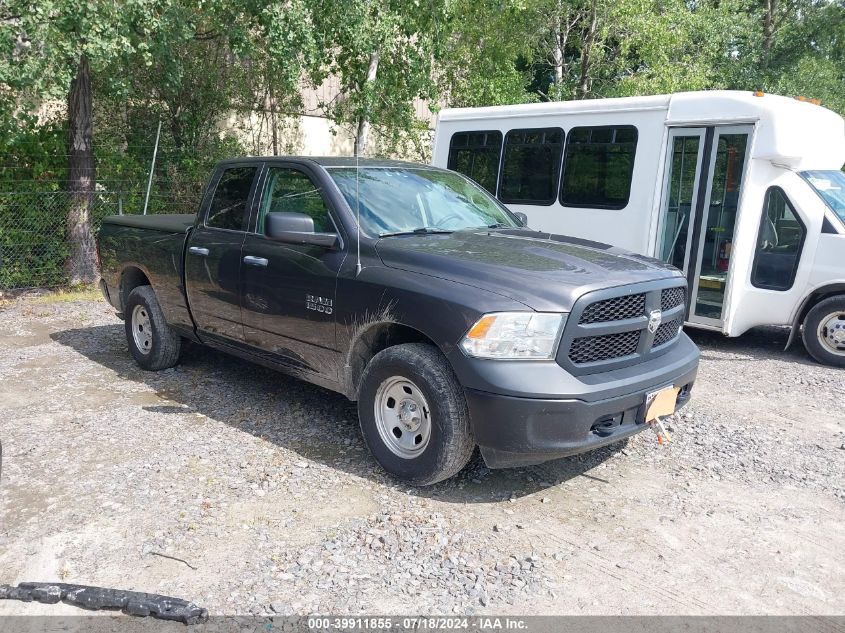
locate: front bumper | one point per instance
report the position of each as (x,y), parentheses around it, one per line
(514,430)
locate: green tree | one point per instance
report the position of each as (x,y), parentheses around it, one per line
(187,61)
(383,54)
(57,44)
(484,42)
(792,47)
(572,49)
(663,46)
(809,58)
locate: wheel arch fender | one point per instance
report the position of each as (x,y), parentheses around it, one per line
(132,275)
(396,307)
(373,332)
(812,298)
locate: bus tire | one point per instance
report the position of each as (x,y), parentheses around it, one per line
(824,331)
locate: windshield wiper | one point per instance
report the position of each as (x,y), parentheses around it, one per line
(423,230)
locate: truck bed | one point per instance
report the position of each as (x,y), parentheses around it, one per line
(150,246)
(168,223)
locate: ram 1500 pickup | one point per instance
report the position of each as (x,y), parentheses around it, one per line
(415,293)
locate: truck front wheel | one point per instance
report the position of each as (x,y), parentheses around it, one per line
(153,343)
(824,331)
(414,415)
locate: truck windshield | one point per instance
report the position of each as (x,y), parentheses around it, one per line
(830,185)
(399,200)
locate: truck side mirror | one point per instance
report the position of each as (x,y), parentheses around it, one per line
(521,217)
(296,228)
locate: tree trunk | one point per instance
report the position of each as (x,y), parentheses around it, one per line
(586,50)
(557,59)
(363,132)
(81,265)
(768,31)
(271,104)
(558,48)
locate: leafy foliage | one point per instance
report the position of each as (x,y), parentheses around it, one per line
(523,50)
(196,65)
(383,54)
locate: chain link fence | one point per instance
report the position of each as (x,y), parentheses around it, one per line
(34,249)
(39,247)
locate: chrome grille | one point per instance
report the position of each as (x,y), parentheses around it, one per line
(667,331)
(614,309)
(672,298)
(591,349)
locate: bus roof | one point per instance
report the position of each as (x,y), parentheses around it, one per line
(791,133)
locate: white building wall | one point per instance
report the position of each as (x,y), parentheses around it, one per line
(310,133)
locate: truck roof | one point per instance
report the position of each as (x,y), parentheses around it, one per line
(329,161)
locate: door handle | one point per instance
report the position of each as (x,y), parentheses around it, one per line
(255,261)
(198,250)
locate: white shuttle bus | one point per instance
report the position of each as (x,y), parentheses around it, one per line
(742,191)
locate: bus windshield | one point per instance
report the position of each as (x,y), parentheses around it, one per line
(400,200)
(830,185)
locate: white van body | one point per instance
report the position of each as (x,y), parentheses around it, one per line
(704,169)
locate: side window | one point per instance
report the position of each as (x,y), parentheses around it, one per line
(779,243)
(476,155)
(228,209)
(531,166)
(291,191)
(598,167)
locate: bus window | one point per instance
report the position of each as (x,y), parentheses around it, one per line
(779,243)
(531,166)
(598,167)
(476,155)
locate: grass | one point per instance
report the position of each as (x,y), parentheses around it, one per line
(67,295)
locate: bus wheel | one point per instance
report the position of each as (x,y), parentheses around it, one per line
(824,331)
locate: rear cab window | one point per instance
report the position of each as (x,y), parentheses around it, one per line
(229,208)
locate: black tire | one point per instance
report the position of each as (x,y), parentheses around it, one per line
(450,444)
(164,345)
(814,331)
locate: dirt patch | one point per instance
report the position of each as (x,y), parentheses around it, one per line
(264,486)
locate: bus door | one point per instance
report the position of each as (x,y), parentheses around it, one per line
(705,167)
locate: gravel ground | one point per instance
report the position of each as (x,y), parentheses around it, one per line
(263,486)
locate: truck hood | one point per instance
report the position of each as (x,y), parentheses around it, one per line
(544,271)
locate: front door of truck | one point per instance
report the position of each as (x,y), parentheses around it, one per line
(213,257)
(705,168)
(288,290)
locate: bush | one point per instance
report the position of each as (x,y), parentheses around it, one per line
(34,201)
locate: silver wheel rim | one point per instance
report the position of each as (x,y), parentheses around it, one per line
(403,417)
(831,333)
(142,330)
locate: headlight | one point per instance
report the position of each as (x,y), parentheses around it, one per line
(514,335)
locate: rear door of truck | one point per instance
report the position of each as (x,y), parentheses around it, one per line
(288,290)
(213,257)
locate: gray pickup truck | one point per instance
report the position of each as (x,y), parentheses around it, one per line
(450,323)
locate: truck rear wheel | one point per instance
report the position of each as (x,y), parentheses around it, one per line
(153,343)
(824,331)
(414,415)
